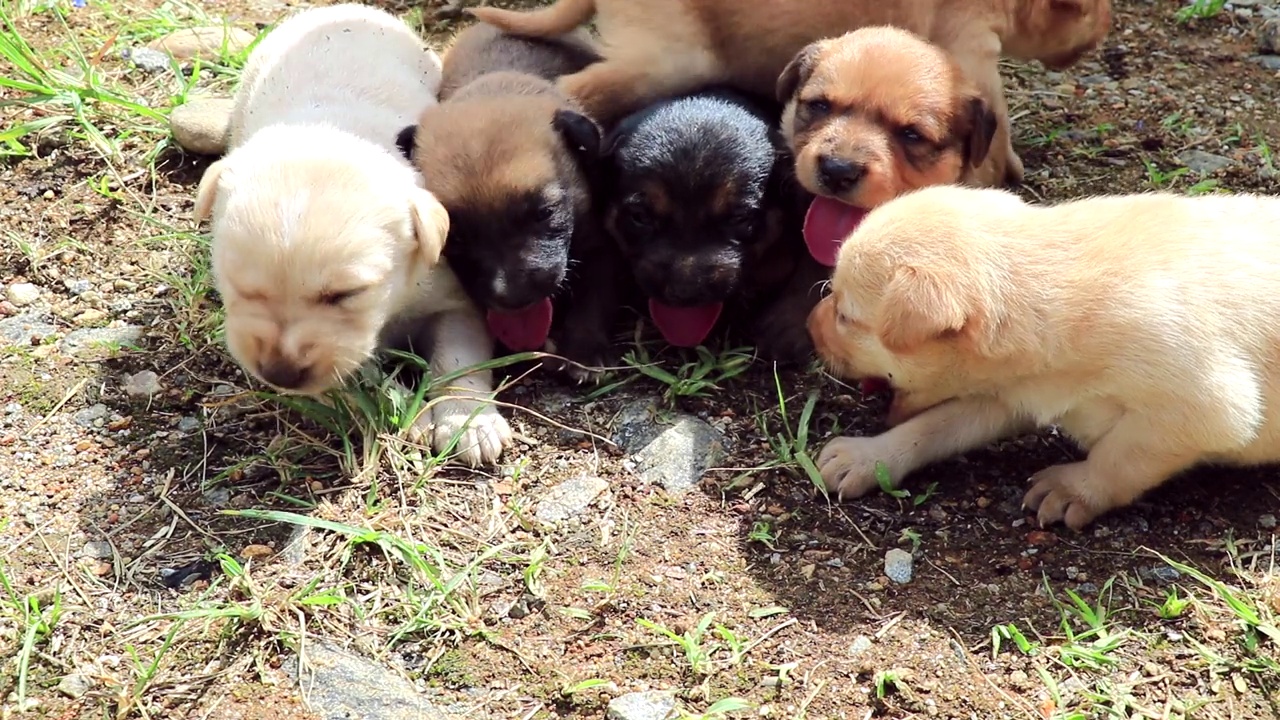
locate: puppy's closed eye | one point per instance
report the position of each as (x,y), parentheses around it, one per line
(816,108)
(337,297)
(911,135)
(638,214)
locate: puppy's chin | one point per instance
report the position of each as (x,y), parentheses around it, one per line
(329,363)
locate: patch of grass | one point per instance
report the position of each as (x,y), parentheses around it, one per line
(698,377)
(34,620)
(1199,10)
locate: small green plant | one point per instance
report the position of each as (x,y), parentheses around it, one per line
(912,536)
(1010,632)
(35,622)
(763,533)
(1160,179)
(696,378)
(885,481)
(790,446)
(1199,10)
(691,642)
(719,710)
(1174,605)
(583,686)
(886,681)
(1093,647)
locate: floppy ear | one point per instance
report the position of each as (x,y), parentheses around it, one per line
(918,307)
(430,224)
(580,133)
(207,192)
(979,122)
(797,72)
(405,140)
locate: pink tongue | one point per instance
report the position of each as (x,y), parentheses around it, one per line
(522,330)
(826,226)
(684,327)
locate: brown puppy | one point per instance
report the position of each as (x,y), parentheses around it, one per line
(480,48)
(1147,327)
(658,48)
(874,113)
(510,158)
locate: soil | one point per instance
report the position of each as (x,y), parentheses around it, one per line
(150,474)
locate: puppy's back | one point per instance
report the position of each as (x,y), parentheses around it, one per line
(482,49)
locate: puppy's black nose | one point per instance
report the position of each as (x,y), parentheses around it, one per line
(284,374)
(838,175)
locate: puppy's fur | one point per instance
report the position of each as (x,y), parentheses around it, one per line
(325,244)
(511,157)
(658,48)
(480,48)
(696,192)
(1146,326)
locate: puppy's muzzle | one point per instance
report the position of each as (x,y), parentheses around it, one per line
(284,374)
(838,176)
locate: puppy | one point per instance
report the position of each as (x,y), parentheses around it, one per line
(325,244)
(660,48)
(875,113)
(511,158)
(480,48)
(1147,327)
(695,193)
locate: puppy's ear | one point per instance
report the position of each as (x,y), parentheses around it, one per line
(430,224)
(797,72)
(405,140)
(207,192)
(580,133)
(977,123)
(919,306)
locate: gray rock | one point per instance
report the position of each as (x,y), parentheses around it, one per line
(1267,521)
(1160,573)
(201,125)
(206,43)
(570,498)
(861,644)
(78,287)
(90,339)
(27,329)
(340,685)
(90,416)
(1204,163)
(22,294)
(1269,37)
(188,424)
(1270,62)
(147,59)
(651,705)
(142,384)
(217,497)
(97,549)
(675,454)
(899,566)
(75,685)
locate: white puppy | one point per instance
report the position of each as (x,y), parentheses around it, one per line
(1146,326)
(326,246)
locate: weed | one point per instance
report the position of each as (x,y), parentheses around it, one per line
(1199,10)
(1010,632)
(35,622)
(696,378)
(763,533)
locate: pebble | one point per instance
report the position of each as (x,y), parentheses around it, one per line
(1269,37)
(142,384)
(1204,163)
(78,287)
(96,549)
(340,684)
(201,125)
(673,454)
(188,424)
(206,43)
(899,566)
(1267,521)
(89,317)
(1270,62)
(1161,573)
(860,644)
(91,416)
(147,59)
(256,552)
(570,498)
(90,339)
(22,294)
(651,705)
(75,685)
(1018,677)
(27,329)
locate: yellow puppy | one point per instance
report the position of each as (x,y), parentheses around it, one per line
(326,246)
(1147,327)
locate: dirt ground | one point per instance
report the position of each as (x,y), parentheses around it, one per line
(123,571)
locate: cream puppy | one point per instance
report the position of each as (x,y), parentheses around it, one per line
(326,246)
(1147,327)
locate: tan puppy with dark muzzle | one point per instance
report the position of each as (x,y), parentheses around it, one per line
(874,113)
(660,48)
(1146,326)
(326,246)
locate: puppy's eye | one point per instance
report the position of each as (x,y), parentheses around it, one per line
(817,107)
(638,215)
(910,134)
(337,297)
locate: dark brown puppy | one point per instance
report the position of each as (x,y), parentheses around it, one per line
(874,113)
(510,157)
(480,48)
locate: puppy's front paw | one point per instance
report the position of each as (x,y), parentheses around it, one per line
(1062,492)
(848,465)
(481,430)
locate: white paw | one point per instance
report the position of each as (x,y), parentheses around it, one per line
(1064,493)
(848,465)
(481,431)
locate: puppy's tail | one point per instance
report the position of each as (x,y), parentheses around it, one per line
(560,18)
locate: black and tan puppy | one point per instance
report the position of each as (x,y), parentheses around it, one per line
(510,157)
(696,193)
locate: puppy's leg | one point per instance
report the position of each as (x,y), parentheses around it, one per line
(637,75)
(588,320)
(1134,457)
(848,464)
(460,340)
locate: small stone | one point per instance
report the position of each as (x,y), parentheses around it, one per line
(147,59)
(1267,521)
(96,549)
(22,294)
(570,498)
(1270,62)
(142,384)
(341,684)
(1018,677)
(1041,538)
(91,416)
(651,705)
(899,566)
(89,318)
(188,424)
(1269,37)
(673,453)
(78,287)
(217,497)
(26,329)
(1161,573)
(206,43)
(90,339)
(256,552)
(861,644)
(201,125)
(75,685)
(1204,163)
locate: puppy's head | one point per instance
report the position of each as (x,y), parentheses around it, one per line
(512,171)
(872,114)
(686,195)
(317,239)
(920,300)
(1058,32)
